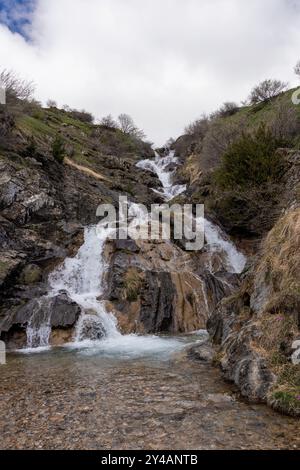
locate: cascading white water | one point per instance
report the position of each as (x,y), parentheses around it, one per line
(82,278)
(216,239)
(163,167)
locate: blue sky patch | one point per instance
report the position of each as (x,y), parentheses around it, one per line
(16,15)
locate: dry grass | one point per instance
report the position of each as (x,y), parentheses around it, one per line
(280,264)
(132,285)
(281,250)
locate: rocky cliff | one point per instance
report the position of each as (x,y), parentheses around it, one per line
(256,329)
(44,204)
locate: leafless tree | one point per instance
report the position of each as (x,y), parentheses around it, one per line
(297,69)
(109,122)
(51,104)
(266,90)
(128,126)
(16,88)
(198,128)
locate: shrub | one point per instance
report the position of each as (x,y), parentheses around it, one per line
(198,128)
(266,90)
(228,108)
(31,148)
(221,134)
(82,116)
(285,124)
(251,161)
(108,122)
(58,149)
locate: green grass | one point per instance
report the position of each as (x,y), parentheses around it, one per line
(286,401)
(35,126)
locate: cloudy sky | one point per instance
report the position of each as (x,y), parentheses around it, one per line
(164,62)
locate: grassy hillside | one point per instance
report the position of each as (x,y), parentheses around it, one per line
(225,156)
(29,131)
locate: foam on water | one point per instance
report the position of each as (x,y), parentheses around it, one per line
(82,278)
(216,239)
(162,167)
(130,346)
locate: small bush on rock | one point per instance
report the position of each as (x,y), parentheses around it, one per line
(251,161)
(58,149)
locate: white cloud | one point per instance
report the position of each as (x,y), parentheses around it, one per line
(163,62)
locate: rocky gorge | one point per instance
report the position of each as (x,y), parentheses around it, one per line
(64,288)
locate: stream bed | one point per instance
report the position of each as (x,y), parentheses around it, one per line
(130,393)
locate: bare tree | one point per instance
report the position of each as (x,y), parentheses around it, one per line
(51,104)
(266,90)
(198,128)
(109,122)
(16,88)
(128,126)
(297,69)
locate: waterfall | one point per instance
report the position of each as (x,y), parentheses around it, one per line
(218,242)
(165,168)
(82,278)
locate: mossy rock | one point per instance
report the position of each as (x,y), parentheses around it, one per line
(287,402)
(31,274)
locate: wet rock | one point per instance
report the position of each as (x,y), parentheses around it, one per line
(58,312)
(127,245)
(90,327)
(202,352)
(158,300)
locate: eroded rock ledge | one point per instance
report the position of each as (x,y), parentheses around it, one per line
(157,287)
(256,328)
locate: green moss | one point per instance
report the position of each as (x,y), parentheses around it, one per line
(287,402)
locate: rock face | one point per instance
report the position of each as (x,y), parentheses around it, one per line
(58,312)
(44,204)
(156,287)
(257,327)
(239,360)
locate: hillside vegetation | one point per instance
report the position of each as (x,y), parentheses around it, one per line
(243,163)
(233,163)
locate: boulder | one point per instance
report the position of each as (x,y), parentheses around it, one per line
(58,312)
